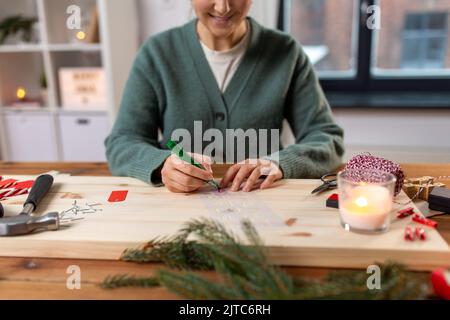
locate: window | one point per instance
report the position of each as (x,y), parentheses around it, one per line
(327,31)
(424,41)
(413,40)
(405,63)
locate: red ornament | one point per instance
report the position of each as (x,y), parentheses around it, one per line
(405,213)
(420,233)
(440,280)
(409,234)
(422,220)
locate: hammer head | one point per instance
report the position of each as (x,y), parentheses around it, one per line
(24,224)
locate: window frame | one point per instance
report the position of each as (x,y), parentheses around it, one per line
(366,89)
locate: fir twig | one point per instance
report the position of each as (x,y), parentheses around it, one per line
(123,280)
(244,271)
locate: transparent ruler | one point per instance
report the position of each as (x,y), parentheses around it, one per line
(230,208)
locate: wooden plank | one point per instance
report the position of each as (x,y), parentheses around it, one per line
(40,278)
(32,290)
(414,170)
(101,168)
(22,278)
(73,168)
(316,239)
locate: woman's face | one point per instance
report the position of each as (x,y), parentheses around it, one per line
(222,17)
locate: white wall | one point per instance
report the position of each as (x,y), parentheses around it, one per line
(159,15)
(121,45)
(401,135)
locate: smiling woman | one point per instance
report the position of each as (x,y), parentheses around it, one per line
(220,25)
(223,70)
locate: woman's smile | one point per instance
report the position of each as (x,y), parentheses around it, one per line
(221,21)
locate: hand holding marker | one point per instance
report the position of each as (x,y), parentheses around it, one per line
(180,153)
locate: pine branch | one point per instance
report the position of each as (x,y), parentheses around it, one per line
(191,286)
(121,281)
(176,253)
(244,271)
(396,283)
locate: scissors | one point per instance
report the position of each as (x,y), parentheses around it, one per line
(329,182)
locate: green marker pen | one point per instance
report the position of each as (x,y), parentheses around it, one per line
(178,150)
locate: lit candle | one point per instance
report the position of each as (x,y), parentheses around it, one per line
(366,207)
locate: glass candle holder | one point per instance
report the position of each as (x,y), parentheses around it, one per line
(365,199)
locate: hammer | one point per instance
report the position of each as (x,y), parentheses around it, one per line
(25,223)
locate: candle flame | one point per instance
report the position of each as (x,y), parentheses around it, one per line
(21,93)
(361,202)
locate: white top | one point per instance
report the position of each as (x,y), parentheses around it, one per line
(225,63)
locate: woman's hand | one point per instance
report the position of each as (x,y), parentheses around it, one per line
(181,177)
(251,170)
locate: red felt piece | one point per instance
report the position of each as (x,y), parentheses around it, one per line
(334,196)
(118,196)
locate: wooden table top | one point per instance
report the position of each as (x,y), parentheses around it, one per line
(31,278)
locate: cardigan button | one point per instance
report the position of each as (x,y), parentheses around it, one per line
(220,116)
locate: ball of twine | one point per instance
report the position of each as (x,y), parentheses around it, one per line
(358,164)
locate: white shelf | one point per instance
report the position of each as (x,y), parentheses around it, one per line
(74,110)
(13,48)
(55,110)
(23,109)
(75,47)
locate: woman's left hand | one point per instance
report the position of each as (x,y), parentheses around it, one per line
(251,170)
